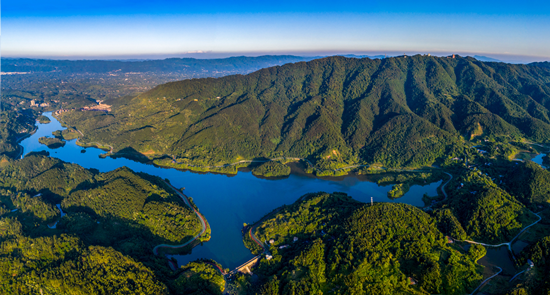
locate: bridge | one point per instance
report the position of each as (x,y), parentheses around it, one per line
(245,267)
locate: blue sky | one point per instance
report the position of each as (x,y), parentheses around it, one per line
(158,29)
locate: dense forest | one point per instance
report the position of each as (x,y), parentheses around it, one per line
(486,212)
(336,111)
(271,169)
(51,142)
(538,278)
(66,229)
(530,183)
(333,244)
(14,126)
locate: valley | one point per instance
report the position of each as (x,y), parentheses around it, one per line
(334,175)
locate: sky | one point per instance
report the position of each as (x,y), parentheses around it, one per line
(513,31)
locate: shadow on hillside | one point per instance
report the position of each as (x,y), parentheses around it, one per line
(131,154)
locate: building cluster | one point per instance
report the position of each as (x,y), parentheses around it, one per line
(34,104)
(98,107)
(60,111)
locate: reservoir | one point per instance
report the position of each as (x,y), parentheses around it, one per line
(228,201)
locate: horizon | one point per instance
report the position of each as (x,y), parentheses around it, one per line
(511,59)
(140,30)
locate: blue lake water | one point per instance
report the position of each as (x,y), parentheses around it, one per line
(228,201)
(538,159)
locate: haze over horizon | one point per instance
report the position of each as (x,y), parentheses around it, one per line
(145,30)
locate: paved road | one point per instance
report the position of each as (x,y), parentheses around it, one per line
(203,224)
(254,238)
(443,186)
(509,244)
(517,275)
(487,279)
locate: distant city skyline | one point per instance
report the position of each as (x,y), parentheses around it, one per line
(62,29)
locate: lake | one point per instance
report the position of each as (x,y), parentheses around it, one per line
(228,201)
(537,158)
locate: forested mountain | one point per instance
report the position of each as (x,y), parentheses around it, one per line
(486,212)
(530,183)
(539,280)
(13,127)
(46,85)
(332,244)
(137,200)
(103,245)
(335,111)
(544,64)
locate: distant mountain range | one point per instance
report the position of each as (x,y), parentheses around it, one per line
(224,66)
(191,66)
(485,58)
(214,67)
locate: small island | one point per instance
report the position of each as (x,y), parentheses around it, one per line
(43,120)
(66,134)
(51,142)
(271,169)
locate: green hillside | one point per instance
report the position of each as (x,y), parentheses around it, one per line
(104,242)
(14,126)
(135,200)
(336,111)
(538,278)
(346,247)
(530,183)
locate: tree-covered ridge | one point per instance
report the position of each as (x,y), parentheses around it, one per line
(486,212)
(37,183)
(138,198)
(335,111)
(530,183)
(63,265)
(13,127)
(346,247)
(51,142)
(103,244)
(43,120)
(50,177)
(538,281)
(199,278)
(271,169)
(544,64)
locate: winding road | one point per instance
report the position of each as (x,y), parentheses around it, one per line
(486,280)
(517,275)
(254,238)
(443,186)
(201,219)
(509,244)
